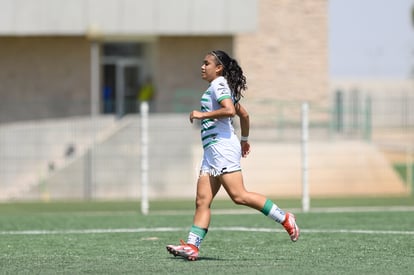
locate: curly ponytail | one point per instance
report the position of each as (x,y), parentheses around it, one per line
(232,72)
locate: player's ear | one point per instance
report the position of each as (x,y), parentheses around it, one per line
(219,69)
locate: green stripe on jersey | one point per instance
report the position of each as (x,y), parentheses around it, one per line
(223,97)
(209,136)
(210,143)
(207,120)
(208,128)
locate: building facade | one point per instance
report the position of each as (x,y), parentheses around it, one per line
(69,58)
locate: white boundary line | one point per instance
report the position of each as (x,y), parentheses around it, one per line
(233,229)
(246,210)
(178,229)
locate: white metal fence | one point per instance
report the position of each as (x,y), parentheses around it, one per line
(101,157)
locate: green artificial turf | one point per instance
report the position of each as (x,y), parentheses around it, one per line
(114,238)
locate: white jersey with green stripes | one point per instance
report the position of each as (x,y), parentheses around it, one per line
(214,130)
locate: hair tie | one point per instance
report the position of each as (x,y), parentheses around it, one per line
(213,53)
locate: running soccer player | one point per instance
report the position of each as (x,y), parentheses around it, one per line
(223,152)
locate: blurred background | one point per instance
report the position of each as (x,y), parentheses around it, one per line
(73,75)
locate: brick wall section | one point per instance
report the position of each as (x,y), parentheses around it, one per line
(287,57)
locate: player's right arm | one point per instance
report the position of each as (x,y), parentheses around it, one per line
(227,110)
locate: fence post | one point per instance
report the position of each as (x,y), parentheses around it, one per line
(355,112)
(144,157)
(409,169)
(338,118)
(368,119)
(280,121)
(304,139)
(88,175)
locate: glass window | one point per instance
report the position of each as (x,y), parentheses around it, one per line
(123,49)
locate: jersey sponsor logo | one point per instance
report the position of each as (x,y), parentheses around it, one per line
(223,91)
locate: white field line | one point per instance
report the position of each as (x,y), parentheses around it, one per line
(243,211)
(179,229)
(246,210)
(240,229)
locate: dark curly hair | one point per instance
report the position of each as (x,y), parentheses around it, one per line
(232,72)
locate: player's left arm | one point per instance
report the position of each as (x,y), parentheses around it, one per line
(245,128)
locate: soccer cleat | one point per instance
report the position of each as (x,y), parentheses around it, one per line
(291,227)
(187,251)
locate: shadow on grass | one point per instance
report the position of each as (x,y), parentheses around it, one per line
(178,258)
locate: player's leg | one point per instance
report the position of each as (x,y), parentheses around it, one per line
(207,188)
(234,186)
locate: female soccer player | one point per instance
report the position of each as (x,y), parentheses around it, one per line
(223,151)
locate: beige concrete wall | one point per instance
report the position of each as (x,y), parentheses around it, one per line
(43,77)
(132,18)
(287,57)
(179,61)
(50,77)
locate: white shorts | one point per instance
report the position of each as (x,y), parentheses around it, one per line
(222,157)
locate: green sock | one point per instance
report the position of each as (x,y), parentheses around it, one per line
(273,211)
(267,207)
(196,235)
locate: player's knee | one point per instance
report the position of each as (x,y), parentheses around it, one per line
(239,199)
(202,202)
